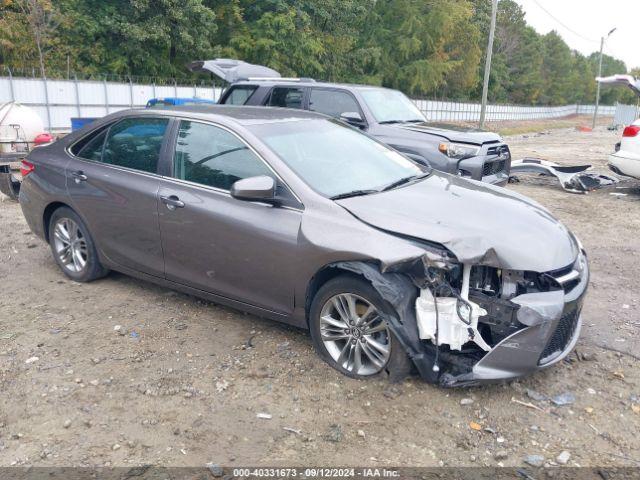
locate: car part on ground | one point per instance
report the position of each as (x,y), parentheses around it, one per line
(574,178)
(270,210)
(383,113)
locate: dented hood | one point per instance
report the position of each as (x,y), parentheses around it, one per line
(453,133)
(478,223)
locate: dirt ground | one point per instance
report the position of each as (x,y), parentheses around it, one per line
(182,381)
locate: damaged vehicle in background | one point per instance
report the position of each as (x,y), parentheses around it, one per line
(383,113)
(294,216)
(626,159)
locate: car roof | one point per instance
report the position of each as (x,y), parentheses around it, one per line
(305,83)
(238,114)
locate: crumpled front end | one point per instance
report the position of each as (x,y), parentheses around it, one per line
(471,324)
(529,331)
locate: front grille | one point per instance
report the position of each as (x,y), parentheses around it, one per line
(499,150)
(568,284)
(492,168)
(561,336)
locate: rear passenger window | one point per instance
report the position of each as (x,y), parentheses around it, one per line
(135,143)
(90,148)
(286,97)
(332,102)
(209,155)
(239,95)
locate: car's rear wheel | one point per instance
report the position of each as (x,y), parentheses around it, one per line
(73,248)
(349,330)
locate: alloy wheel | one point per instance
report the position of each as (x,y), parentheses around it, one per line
(70,245)
(354,334)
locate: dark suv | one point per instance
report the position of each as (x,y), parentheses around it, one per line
(386,114)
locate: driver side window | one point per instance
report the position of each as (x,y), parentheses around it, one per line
(211,156)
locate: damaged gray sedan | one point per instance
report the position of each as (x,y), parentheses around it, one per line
(297,217)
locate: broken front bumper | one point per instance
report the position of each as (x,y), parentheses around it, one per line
(553,325)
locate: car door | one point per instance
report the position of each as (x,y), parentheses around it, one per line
(113,184)
(241,250)
(333,102)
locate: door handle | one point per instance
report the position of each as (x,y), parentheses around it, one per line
(79,176)
(172,202)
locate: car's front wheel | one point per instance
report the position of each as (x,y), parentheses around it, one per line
(349,330)
(73,248)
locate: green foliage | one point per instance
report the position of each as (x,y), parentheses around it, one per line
(423,47)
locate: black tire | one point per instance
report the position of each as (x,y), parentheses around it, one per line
(9,185)
(398,363)
(92,269)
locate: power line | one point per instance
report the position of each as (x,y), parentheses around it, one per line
(564,24)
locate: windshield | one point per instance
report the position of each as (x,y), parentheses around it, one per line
(334,159)
(391,106)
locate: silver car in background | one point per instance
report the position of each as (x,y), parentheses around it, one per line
(294,216)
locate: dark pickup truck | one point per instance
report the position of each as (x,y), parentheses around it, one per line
(383,113)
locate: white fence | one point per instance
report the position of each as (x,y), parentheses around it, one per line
(437,111)
(57,101)
(626,114)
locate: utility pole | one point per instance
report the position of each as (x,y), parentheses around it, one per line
(595,111)
(487,63)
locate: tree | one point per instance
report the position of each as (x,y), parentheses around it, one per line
(42,20)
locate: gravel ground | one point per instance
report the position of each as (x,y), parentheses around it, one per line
(182,382)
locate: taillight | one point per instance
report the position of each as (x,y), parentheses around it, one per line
(631,131)
(26,168)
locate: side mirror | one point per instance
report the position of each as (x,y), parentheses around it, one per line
(352,118)
(257,189)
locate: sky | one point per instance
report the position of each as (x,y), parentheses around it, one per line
(581,23)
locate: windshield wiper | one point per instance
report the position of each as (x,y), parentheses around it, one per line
(389,122)
(405,180)
(354,193)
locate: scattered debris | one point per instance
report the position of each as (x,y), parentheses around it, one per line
(475,426)
(501,455)
(534,460)
(292,430)
(361,434)
(563,458)
(573,179)
(334,434)
(215,469)
(31,360)
(392,392)
(538,397)
(466,401)
(264,416)
(66,424)
(221,386)
(563,399)
(526,404)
